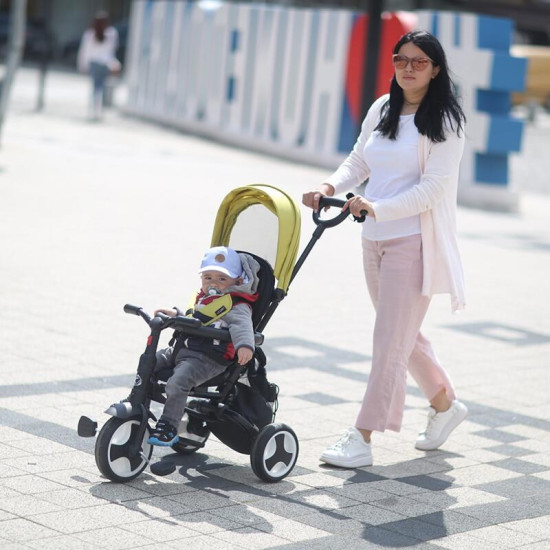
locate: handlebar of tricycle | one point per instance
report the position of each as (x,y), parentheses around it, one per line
(190,325)
(332,222)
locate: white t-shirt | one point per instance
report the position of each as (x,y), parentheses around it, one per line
(100,52)
(395,167)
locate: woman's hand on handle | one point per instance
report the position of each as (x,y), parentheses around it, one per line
(358,206)
(311,198)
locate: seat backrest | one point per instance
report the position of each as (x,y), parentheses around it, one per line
(266,287)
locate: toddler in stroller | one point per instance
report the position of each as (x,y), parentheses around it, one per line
(229,283)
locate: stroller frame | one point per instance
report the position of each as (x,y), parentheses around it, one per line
(121,450)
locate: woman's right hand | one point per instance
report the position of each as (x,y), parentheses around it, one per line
(311,199)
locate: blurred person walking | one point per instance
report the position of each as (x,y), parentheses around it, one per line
(97,57)
(409,148)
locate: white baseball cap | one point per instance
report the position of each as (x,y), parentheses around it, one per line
(223,259)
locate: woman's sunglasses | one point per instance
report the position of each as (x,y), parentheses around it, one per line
(417,63)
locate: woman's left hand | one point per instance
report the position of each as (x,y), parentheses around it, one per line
(358,205)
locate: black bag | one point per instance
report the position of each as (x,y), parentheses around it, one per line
(251,405)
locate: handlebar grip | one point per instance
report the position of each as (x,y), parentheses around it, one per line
(189,322)
(332,222)
(331,201)
(131,309)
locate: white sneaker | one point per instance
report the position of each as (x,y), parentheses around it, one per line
(350,451)
(440,425)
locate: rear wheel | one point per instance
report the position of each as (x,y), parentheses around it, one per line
(191,430)
(112,449)
(274,452)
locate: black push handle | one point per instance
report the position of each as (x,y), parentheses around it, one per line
(362,217)
(189,325)
(137,310)
(331,222)
(131,309)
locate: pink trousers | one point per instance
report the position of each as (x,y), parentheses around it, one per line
(393,270)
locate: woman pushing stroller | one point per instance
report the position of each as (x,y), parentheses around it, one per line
(409,148)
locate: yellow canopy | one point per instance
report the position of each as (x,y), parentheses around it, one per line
(280,204)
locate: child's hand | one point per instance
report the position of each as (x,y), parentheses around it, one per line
(170,312)
(244,355)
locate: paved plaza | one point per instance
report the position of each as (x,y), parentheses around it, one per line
(95,215)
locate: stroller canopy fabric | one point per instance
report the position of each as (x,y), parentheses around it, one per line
(279,203)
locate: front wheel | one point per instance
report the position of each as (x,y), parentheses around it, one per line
(112,449)
(274,452)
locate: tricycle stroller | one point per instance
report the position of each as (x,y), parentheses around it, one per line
(239,405)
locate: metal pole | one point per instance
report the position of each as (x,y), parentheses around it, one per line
(46,53)
(373,9)
(18,17)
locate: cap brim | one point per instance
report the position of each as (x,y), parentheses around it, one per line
(220,269)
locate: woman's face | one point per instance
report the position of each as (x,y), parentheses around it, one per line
(414,82)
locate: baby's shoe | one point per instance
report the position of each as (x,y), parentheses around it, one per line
(164,434)
(440,425)
(350,451)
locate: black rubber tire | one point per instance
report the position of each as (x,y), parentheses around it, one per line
(274,452)
(111,450)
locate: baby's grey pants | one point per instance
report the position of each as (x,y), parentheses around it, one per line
(192,369)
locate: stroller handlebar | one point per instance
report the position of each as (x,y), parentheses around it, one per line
(189,325)
(336,220)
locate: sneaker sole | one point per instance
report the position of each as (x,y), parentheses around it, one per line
(352,463)
(434,445)
(159,443)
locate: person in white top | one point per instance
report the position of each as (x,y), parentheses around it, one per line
(97,57)
(409,148)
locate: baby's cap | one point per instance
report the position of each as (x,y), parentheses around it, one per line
(223,259)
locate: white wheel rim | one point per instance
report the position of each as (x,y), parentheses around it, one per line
(280,443)
(122,466)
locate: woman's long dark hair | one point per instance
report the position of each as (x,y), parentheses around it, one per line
(438,105)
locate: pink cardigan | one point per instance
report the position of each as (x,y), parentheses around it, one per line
(434,198)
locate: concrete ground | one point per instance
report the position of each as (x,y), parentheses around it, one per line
(94,215)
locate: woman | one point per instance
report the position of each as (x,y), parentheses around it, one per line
(410,147)
(96,56)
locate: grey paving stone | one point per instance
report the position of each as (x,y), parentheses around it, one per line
(371,514)
(248,537)
(285,508)
(519,487)
(336,523)
(499,435)
(510,450)
(64,542)
(416,529)
(361,492)
(22,530)
(453,521)
(427,482)
(342,543)
(504,511)
(406,506)
(520,466)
